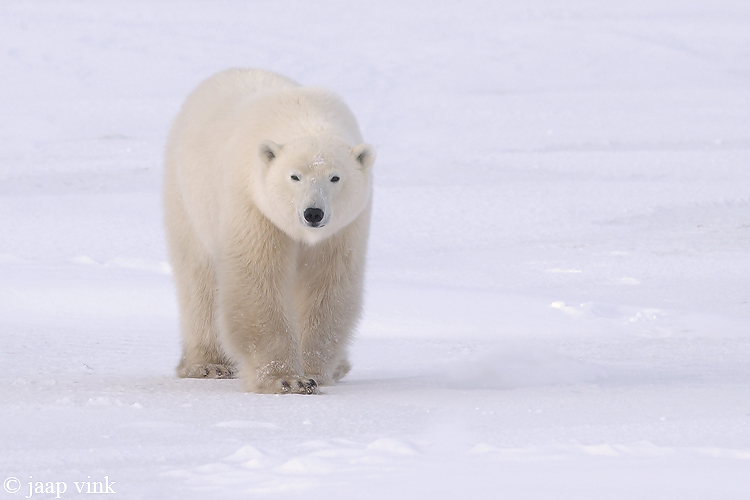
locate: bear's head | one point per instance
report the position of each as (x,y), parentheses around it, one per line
(311,187)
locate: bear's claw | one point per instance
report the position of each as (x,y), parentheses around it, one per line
(207,370)
(302,386)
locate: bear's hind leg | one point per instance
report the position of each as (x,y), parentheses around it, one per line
(202,356)
(342,369)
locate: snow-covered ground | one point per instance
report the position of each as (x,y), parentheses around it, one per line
(558,297)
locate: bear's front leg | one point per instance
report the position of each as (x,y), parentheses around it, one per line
(254,307)
(328,299)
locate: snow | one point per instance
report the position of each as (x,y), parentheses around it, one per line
(557,299)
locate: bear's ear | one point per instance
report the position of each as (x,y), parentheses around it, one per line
(268,151)
(364,154)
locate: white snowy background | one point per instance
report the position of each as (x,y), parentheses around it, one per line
(558,290)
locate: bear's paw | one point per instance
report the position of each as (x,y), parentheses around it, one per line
(287,385)
(206,370)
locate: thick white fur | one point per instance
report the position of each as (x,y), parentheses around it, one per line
(259,290)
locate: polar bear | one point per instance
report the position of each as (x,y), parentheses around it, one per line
(267,201)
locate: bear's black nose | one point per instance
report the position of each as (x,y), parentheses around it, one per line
(313,216)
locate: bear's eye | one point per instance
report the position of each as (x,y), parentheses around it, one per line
(335,178)
(295,177)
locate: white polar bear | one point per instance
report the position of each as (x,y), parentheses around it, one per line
(267,200)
